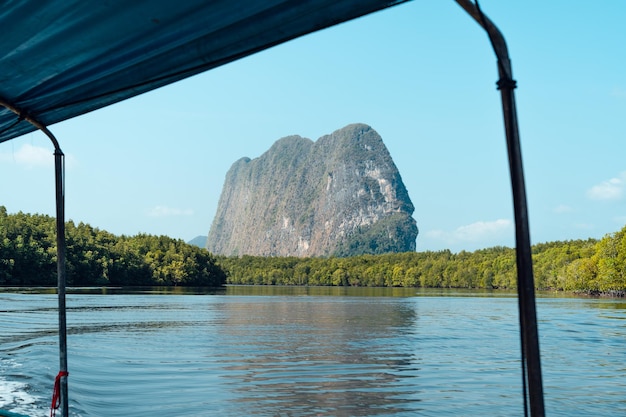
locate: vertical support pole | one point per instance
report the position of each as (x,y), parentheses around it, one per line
(59,170)
(59,175)
(525,279)
(531,358)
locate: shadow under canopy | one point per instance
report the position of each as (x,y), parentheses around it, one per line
(59,60)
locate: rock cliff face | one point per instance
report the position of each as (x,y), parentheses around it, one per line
(341,195)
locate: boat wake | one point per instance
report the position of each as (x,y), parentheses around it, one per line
(17,396)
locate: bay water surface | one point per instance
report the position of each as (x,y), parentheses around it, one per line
(293,351)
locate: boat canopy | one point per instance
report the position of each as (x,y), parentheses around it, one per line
(61,59)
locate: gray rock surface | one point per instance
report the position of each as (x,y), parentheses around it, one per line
(341,195)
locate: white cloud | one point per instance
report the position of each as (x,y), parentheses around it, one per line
(611,189)
(584,226)
(30,156)
(163,211)
(562,208)
(618,92)
(620,220)
(475,232)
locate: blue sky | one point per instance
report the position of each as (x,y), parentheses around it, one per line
(421,74)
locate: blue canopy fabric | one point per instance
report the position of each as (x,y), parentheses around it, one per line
(61,59)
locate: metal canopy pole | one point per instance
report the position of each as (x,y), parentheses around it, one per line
(59,174)
(59,171)
(531,360)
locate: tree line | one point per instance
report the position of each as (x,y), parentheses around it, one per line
(95,257)
(590,266)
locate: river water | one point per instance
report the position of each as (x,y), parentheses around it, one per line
(308,352)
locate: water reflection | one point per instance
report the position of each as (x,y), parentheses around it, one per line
(328,357)
(306,354)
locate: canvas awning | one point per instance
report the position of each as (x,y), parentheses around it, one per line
(62,59)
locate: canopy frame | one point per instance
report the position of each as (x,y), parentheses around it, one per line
(529,335)
(531,364)
(59,180)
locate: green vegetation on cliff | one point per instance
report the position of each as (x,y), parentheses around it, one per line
(96,257)
(384,236)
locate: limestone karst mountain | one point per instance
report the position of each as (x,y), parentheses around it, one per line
(341,195)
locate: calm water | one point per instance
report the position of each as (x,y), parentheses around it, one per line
(308,352)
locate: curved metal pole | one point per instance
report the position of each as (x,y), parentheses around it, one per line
(525,281)
(59,171)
